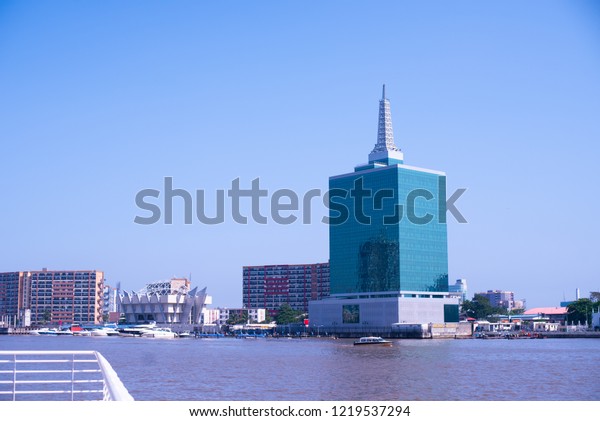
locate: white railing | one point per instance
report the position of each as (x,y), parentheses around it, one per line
(59,375)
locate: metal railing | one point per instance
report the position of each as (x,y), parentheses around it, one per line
(59,375)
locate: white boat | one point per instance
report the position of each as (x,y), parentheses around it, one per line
(104,331)
(373,340)
(159,332)
(137,330)
(51,332)
(185,334)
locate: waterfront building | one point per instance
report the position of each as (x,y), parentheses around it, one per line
(14,296)
(111,312)
(256,315)
(387,242)
(111,299)
(210,316)
(503,299)
(270,286)
(165,302)
(552,314)
(459,290)
(52,296)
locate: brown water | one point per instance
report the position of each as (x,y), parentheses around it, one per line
(324,369)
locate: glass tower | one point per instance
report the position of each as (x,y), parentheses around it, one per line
(387,228)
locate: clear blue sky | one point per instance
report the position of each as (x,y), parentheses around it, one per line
(101,99)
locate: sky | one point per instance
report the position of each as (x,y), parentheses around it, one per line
(102,99)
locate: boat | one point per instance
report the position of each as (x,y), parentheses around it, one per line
(159,332)
(51,332)
(104,331)
(135,330)
(372,340)
(185,334)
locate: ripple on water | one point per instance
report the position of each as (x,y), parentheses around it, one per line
(313,369)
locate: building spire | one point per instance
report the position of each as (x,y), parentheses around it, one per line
(385,147)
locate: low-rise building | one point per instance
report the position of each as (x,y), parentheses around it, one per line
(552,314)
(166,302)
(254,315)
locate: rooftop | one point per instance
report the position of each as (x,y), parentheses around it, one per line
(547,310)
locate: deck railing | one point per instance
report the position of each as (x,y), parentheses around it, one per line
(59,375)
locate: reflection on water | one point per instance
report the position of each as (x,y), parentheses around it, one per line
(325,369)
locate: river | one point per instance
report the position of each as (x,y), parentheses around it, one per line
(227,369)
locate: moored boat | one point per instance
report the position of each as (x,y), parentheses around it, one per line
(159,332)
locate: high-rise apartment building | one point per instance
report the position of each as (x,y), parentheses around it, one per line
(270,286)
(503,299)
(387,241)
(53,296)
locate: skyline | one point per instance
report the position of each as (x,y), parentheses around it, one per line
(102,100)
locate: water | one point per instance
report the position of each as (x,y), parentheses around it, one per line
(227,369)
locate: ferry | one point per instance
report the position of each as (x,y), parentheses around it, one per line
(373,340)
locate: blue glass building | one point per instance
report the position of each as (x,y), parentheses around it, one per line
(387,227)
(388,241)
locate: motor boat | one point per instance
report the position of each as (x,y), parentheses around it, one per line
(373,340)
(159,332)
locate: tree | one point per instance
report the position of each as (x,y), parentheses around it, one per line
(47,316)
(580,311)
(237,318)
(286,314)
(595,296)
(480,307)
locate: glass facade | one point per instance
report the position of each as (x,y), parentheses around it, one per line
(387,230)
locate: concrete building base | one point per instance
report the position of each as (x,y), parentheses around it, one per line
(404,315)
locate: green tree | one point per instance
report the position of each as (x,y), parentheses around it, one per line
(480,307)
(47,316)
(286,314)
(580,311)
(237,319)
